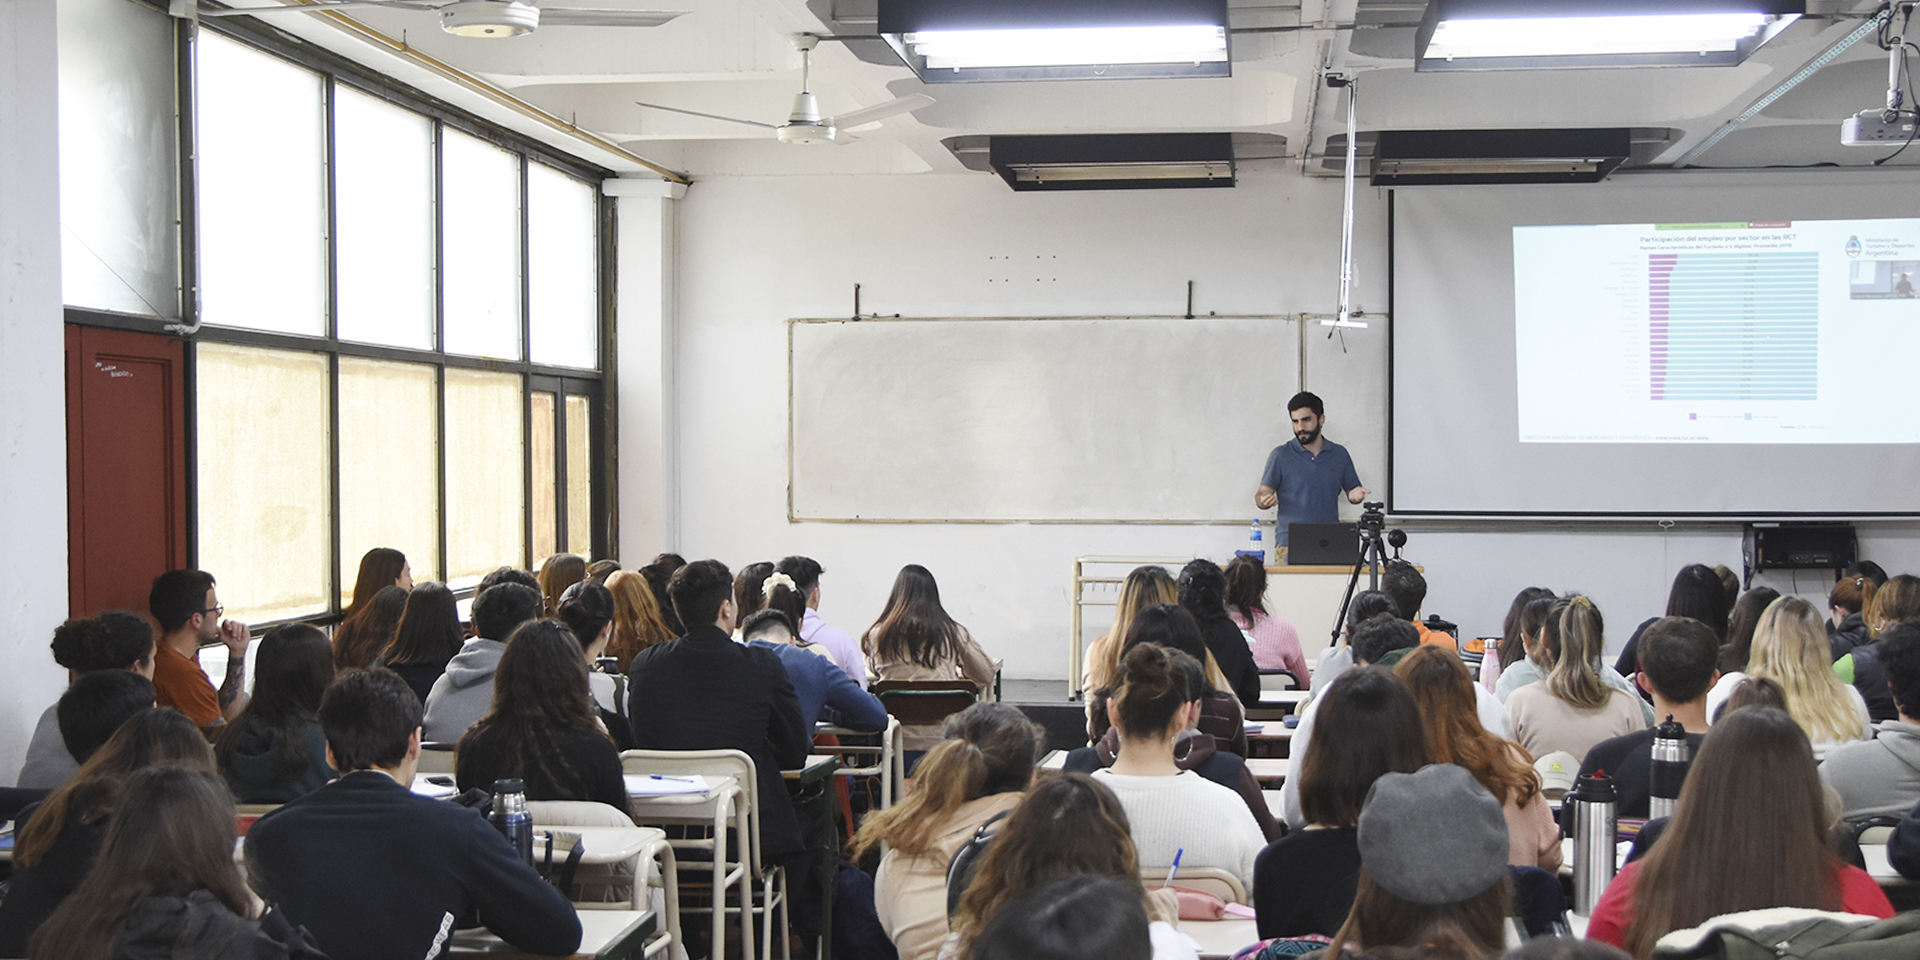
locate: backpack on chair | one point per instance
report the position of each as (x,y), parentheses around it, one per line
(1794,933)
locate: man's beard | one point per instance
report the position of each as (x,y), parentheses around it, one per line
(1306,438)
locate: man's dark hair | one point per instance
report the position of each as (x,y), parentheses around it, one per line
(1899,648)
(1678,656)
(177,595)
(1381,634)
(1308,400)
(699,589)
(92,710)
(502,608)
(1366,605)
(803,571)
(128,640)
(367,717)
(74,643)
(762,619)
(1405,585)
(502,575)
(1080,915)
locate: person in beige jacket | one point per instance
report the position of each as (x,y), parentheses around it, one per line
(915,639)
(978,772)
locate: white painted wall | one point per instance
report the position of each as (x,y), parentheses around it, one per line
(33,451)
(753,252)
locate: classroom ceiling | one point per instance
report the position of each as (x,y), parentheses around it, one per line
(734,58)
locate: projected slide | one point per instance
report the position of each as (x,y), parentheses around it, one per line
(1736,332)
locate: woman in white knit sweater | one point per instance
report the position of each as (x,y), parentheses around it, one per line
(1156,696)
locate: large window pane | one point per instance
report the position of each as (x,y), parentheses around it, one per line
(486,490)
(119,167)
(262,478)
(262,225)
(562,283)
(580,517)
(389,465)
(543,504)
(480,207)
(383,217)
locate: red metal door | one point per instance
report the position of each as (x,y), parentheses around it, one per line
(126,466)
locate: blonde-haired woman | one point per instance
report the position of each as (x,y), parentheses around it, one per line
(1573,708)
(1143,588)
(1790,648)
(637,623)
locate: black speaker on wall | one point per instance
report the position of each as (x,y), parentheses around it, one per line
(1799,546)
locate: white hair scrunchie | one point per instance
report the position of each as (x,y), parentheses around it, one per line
(777,579)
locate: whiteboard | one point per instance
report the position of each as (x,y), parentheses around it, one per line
(1083,420)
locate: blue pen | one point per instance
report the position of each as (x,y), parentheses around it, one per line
(1175,869)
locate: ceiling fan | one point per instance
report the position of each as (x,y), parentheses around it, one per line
(466,18)
(805,124)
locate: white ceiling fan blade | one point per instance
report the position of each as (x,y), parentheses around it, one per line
(582,17)
(880,111)
(709,116)
(315,7)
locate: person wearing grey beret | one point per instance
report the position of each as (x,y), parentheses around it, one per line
(1433,877)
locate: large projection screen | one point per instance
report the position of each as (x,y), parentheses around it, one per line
(1657,345)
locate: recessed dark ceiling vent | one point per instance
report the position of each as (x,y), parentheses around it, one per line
(1424,157)
(1113,161)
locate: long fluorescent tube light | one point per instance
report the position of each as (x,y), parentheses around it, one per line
(1540,34)
(1066,172)
(1069,46)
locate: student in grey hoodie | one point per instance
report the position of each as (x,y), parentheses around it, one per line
(464,694)
(1882,776)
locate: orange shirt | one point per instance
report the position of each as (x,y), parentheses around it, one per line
(178,682)
(1436,637)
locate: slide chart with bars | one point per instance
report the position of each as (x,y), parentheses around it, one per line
(1737,325)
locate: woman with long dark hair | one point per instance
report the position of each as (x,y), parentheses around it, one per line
(749,593)
(274,752)
(428,636)
(557,573)
(1304,882)
(915,639)
(380,568)
(587,609)
(1171,626)
(1848,603)
(1276,644)
(978,773)
(544,729)
(1454,734)
(1513,637)
(1068,825)
(368,629)
(1203,591)
(1750,832)
(1697,594)
(165,884)
(59,839)
(1738,649)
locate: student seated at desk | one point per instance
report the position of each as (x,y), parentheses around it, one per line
(165,884)
(1276,644)
(1789,648)
(1303,883)
(464,693)
(915,639)
(977,773)
(428,637)
(1540,639)
(1070,918)
(1881,777)
(378,872)
(587,609)
(1172,809)
(58,839)
(1203,592)
(543,730)
(1144,587)
(1573,708)
(1514,631)
(1677,657)
(1172,627)
(1338,659)
(1750,832)
(114,640)
(826,693)
(273,751)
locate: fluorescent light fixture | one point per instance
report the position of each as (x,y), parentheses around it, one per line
(1113,161)
(949,41)
(1413,158)
(1069,172)
(1069,46)
(1546,34)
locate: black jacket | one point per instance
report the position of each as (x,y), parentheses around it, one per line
(376,872)
(580,765)
(1852,632)
(705,692)
(1305,881)
(37,890)
(200,927)
(1229,648)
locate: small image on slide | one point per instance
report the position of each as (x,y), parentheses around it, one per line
(1883,279)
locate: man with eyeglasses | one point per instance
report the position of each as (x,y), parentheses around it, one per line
(184,604)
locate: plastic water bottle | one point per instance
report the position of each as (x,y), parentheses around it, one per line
(511,818)
(1670,763)
(1255,547)
(1595,835)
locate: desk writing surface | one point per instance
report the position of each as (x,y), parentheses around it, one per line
(609,934)
(1221,938)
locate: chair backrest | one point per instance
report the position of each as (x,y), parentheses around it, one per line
(925,701)
(715,765)
(437,757)
(1214,880)
(576,813)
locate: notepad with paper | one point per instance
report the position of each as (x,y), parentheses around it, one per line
(656,785)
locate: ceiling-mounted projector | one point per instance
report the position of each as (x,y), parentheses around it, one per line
(1871,128)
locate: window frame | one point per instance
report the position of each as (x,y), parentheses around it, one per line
(335,71)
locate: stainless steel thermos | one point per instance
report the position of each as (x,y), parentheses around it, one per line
(1595,829)
(1670,762)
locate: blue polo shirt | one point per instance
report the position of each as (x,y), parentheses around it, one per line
(1309,487)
